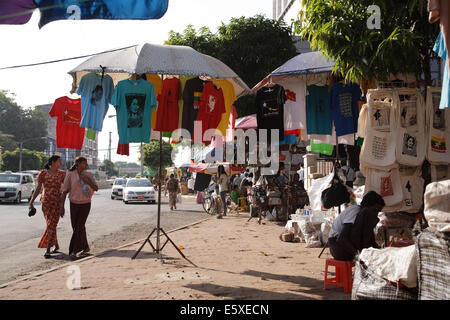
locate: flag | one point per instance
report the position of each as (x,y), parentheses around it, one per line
(16,11)
(52,10)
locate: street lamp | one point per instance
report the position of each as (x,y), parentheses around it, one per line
(21,147)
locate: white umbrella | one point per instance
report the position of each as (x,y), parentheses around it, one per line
(158,59)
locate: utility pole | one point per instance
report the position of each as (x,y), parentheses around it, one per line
(21,147)
(109,149)
(142,161)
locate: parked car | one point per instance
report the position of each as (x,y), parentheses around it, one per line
(117,188)
(139,190)
(16,186)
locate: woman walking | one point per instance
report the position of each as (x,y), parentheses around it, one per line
(80,185)
(223,189)
(51,178)
(173,188)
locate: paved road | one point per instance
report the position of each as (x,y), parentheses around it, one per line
(110,224)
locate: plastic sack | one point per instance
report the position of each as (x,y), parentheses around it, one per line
(315,191)
(335,195)
(311,235)
(393,264)
(437,205)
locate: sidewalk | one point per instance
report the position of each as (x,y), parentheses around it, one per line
(234,259)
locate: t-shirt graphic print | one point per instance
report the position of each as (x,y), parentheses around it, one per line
(135,108)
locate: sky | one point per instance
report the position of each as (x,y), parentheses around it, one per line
(26,44)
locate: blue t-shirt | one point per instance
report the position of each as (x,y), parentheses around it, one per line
(134,101)
(441,50)
(318,111)
(344,107)
(95,97)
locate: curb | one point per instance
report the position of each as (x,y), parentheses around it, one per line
(40,273)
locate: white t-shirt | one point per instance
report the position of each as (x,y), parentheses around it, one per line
(347,216)
(191,183)
(301,174)
(223,182)
(295,106)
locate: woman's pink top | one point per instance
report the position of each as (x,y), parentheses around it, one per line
(74,185)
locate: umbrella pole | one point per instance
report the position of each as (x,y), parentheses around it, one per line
(158,228)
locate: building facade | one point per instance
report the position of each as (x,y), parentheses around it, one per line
(89,150)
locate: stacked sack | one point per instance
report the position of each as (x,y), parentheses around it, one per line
(394,146)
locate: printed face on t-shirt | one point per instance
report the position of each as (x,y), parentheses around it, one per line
(96,95)
(135,108)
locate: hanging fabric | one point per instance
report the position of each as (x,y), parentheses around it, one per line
(192,94)
(212,106)
(410,115)
(294,113)
(438,129)
(91,134)
(134,102)
(270,109)
(123,149)
(69,134)
(96,92)
(344,107)
(386,183)
(318,112)
(229,98)
(168,109)
(441,50)
(412,187)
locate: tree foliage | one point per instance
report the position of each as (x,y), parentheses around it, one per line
(109,167)
(339,29)
(151,154)
(31,160)
(252,47)
(22,124)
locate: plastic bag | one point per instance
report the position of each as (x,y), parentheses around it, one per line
(179,198)
(311,235)
(335,195)
(199,197)
(437,205)
(315,191)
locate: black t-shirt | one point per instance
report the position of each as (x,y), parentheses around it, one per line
(191,103)
(270,109)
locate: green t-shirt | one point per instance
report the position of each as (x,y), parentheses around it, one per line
(235,196)
(134,101)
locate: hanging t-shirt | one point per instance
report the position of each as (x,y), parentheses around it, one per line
(229,97)
(212,106)
(294,107)
(168,111)
(270,109)
(157,84)
(91,134)
(231,125)
(123,149)
(441,50)
(323,148)
(344,107)
(69,134)
(191,103)
(134,102)
(318,111)
(95,95)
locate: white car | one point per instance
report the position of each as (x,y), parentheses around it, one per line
(139,190)
(16,186)
(117,188)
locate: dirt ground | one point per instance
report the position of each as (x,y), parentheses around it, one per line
(231,258)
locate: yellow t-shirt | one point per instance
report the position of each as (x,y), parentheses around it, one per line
(229,97)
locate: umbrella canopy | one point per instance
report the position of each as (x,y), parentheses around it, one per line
(302,64)
(158,59)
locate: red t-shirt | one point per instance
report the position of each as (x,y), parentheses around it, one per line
(123,149)
(69,134)
(212,105)
(168,111)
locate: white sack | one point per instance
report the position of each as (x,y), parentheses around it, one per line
(437,205)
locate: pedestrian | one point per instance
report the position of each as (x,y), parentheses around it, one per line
(173,188)
(349,175)
(191,184)
(301,174)
(51,178)
(223,189)
(352,230)
(80,185)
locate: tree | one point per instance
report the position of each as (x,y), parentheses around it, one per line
(339,29)
(22,124)
(31,160)
(151,154)
(7,142)
(109,167)
(252,47)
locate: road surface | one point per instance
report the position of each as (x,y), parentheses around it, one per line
(111,223)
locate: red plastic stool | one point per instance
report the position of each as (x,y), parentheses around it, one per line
(344,277)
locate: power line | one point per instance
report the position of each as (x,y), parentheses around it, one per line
(65,59)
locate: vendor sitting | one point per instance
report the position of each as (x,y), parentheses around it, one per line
(235,194)
(352,230)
